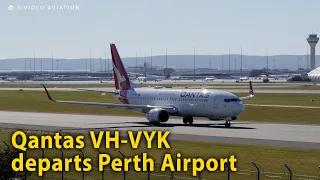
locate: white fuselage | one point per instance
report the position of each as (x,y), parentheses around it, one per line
(214,104)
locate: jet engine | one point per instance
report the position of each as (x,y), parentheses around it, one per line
(157,115)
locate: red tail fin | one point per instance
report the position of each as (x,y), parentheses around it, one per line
(121,78)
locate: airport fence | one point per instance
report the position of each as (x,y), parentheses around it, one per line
(256,173)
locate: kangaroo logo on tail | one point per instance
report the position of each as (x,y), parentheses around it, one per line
(121,79)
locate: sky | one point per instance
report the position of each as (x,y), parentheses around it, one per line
(211,27)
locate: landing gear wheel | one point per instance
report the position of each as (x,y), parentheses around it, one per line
(191,120)
(227,124)
(185,120)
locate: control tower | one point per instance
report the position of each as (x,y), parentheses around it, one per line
(313,40)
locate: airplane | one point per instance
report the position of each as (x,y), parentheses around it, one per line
(158,104)
(279,76)
(209,79)
(149,78)
(174,78)
(11,79)
(244,78)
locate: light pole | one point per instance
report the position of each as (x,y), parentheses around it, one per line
(194,63)
(136,62)
(221,63)
(25,69)
(30,61)
(41,65)
(57,64)
(93,63)
(241,61)
(274,64)
(229,63)
(145,65)
(300,62)
(109,63)
(90,60)
(151,58)
(105,63)
(52,65)
(34,65)
(166,58)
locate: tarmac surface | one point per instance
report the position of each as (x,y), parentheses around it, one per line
(241,132)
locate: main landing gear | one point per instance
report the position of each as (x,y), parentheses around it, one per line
(187,120)
(227,124)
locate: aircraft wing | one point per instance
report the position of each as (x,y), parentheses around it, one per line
(251,93)
(144,108)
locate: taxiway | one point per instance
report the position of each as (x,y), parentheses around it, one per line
(241,132)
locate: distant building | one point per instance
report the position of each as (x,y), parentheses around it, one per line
(314,75)
(312,40)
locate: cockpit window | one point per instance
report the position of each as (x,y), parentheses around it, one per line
(232,100)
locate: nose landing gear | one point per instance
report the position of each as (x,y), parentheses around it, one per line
(187,120)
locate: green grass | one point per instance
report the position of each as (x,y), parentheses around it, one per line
(284,99)
(35,101)
(269,159)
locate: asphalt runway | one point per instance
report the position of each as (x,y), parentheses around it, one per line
(241,132)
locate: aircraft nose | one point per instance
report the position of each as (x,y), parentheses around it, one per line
(240,108)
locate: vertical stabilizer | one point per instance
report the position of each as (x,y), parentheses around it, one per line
(121,78)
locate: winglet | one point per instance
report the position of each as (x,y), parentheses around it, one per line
(251,93)
(251,89)
(49,97)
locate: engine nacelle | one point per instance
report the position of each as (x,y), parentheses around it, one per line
(157,115)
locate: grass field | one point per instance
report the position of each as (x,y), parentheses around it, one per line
(35,101)
(269,159)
